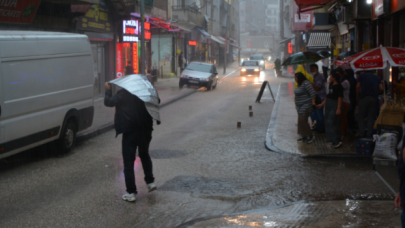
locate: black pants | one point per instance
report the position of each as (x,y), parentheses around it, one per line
(351,120)
(130,142)
(325,72)
(367,107)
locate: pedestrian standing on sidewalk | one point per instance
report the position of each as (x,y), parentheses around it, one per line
(304,101)
(333,110)
(325,68)
(345,102)
(319,87)
(181,62)
(369,86)
(351,120)
(133,120)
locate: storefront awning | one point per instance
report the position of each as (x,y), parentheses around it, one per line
(183,26)
(287,40)
(319,40)
(204,32)
(221,39)
(235,45)
(307,5)
(217,40)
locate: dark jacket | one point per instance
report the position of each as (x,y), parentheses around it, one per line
(180,61)
(131,114)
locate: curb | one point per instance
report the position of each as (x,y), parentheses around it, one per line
(86,135)
(270,146)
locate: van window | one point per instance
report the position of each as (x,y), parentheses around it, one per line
(37,77)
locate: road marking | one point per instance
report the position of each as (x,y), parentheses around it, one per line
(227,75)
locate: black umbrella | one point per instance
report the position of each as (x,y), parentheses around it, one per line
(302,57)
(324,54)
(346,54)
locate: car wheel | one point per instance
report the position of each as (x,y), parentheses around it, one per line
(181,85)
(209,86)
(67,139)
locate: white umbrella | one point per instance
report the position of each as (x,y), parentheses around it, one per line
(140,86)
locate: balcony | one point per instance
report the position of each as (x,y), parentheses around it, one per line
(184,13)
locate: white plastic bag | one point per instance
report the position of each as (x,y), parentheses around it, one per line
(385,146)
(399,147)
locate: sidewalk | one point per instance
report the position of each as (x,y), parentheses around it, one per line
(289,72)
(337,213)
(282,132)
(169,92)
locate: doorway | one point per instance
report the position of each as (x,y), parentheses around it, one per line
(98,52)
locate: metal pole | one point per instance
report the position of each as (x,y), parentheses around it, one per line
(239,33)
(142,65)
(227,34)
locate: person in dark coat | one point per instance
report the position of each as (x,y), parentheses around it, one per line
(134,122)
(181,62)
(353,99)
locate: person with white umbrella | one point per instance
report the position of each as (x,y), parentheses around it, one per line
(136,105)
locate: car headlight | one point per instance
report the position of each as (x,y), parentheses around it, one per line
(261,62)
(243,69)
(257,69)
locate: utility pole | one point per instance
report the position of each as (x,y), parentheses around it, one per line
(239,31)
(227,34)
(142,65)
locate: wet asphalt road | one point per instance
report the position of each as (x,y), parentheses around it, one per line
(204,166)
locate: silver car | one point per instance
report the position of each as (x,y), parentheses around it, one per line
(250,67)
(199,75)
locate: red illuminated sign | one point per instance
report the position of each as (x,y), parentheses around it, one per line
(18,11)
(120,71)
(147,25)
(290,48)
(192,42)
(148,35)
(135,57)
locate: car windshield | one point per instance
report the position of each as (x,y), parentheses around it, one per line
(200,67)
(256,57)
(250,63)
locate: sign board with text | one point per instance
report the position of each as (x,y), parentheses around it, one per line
(96,19)
(18,11)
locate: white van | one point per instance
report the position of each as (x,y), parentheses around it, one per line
(46,89)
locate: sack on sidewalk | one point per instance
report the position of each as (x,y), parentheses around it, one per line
(386,146)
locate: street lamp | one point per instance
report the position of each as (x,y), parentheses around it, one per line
(369,1)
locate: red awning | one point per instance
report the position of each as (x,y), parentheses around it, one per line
(306,5)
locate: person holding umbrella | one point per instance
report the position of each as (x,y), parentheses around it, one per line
(133,119)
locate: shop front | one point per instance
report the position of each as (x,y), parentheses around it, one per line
(128,50)
(97,25)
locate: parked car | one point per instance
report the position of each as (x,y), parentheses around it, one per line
(261,59)
(200,75)
(47,89)
(250,67)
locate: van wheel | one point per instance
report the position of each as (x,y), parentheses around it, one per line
(67,138)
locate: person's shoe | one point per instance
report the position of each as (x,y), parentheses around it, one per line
(310,139)
(151,187)
(130,197)
(303,139)
(337,144)
(313,124)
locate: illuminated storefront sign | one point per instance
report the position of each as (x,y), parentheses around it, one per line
(290,48)
(130,30)
(129,38)
(192,43)
(120,71)
(135,57)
